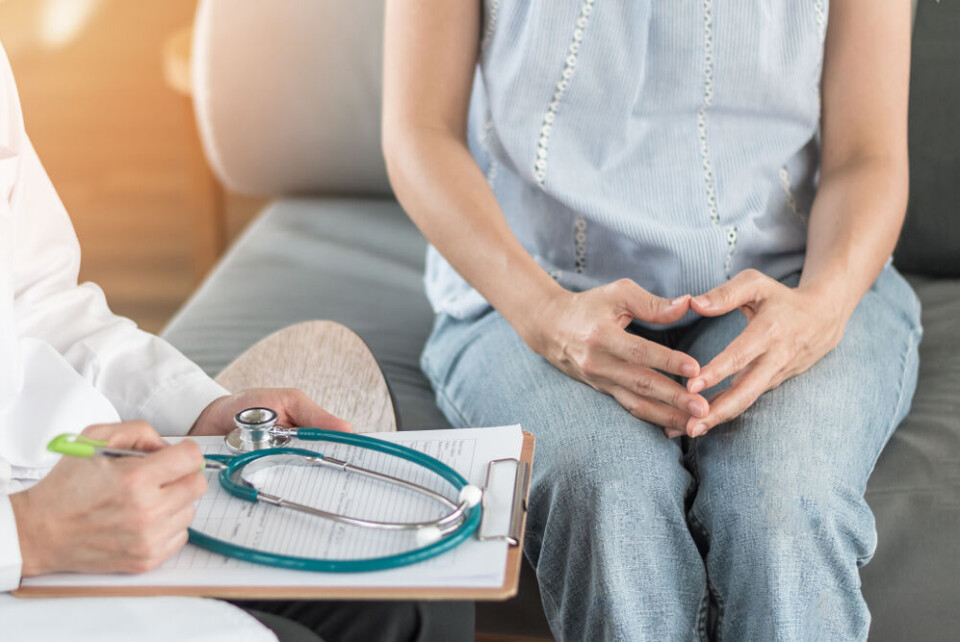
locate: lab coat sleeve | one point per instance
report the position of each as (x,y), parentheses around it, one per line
(141,375)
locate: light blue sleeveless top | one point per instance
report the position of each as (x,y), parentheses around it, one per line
(672,142)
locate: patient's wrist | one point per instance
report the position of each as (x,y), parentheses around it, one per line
(530,305)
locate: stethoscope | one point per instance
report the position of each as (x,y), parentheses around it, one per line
(260,444)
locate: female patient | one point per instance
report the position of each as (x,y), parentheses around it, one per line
(660,239)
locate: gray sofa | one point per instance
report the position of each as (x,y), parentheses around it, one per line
(296,116)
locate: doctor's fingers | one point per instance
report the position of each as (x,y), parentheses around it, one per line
(179,522)
(648,383)
(157,534)
(650,410)
(135,435)
(182,492)
(173,546)
(148,556)
(167,464)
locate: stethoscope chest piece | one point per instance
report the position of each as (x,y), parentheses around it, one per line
(256,430)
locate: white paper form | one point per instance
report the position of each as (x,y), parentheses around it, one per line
(472,564)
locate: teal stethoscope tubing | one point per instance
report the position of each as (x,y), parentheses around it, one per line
(465,530)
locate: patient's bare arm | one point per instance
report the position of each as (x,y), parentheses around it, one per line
(433,47)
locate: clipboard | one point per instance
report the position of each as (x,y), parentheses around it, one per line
(506,591)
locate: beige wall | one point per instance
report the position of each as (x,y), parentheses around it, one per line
(114,139)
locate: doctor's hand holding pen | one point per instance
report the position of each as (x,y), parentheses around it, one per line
(130,514)
(106,515)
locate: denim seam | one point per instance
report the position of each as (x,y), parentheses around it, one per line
(912,347)
(441,392)
(721,607)
(695,522)
(864,630)
(702,614)
(546,595)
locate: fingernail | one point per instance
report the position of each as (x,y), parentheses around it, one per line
(689,370)
(696,409)
(699,430)
(702,301)
(696,385)
(678,300)
(672,433)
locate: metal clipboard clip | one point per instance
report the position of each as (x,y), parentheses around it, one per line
(518,504)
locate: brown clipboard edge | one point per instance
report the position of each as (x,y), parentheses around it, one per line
(511,580)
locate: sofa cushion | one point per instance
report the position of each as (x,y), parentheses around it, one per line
(930,243)
(914,491)
(355,261)
(287,95)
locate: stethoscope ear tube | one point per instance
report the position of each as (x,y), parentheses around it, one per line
(429,546)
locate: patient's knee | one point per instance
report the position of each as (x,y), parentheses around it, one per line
(812,516)
(596,473)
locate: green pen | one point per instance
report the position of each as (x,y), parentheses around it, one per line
(79,446)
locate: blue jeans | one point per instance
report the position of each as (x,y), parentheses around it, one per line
(755,531)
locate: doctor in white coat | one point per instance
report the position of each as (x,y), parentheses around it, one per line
(67,364)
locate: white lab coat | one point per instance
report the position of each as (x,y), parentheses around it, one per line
(66,361)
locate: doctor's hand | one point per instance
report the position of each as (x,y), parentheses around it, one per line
(293,407)
(106,515)
(788,330)
(584,335)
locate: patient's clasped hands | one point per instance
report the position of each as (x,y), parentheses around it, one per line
(788,330)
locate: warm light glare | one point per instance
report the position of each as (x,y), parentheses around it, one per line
(62,20)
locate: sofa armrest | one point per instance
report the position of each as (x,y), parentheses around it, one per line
(287,94)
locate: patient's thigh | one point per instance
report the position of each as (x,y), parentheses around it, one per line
(606,529)
(593,459)
(780,496)
(834,419)
(485,375)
